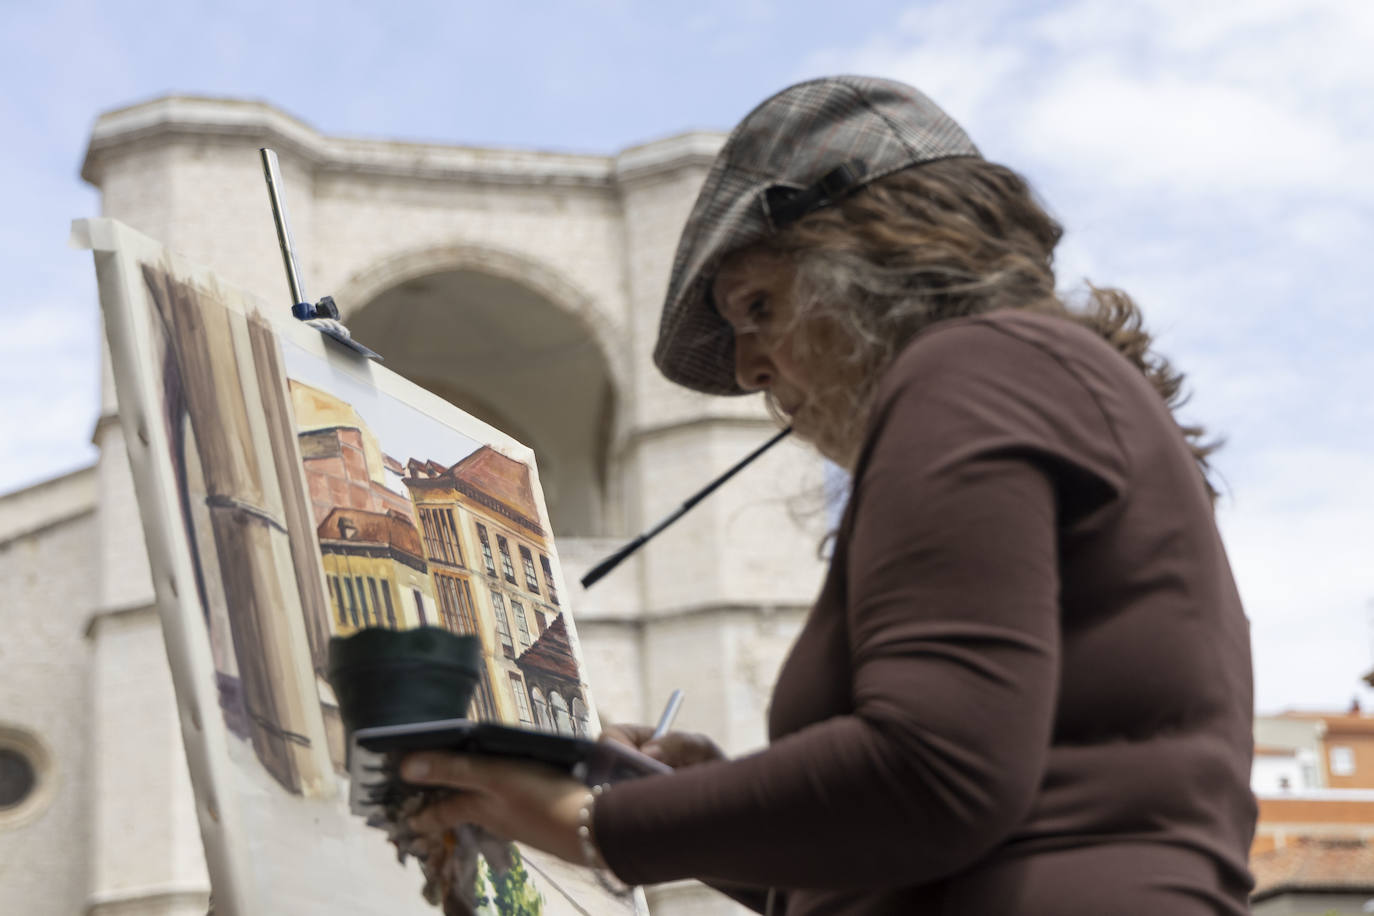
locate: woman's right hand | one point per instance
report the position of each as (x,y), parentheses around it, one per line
(676,749)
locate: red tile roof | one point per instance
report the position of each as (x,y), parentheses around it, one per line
(1347,723)
(1331,864)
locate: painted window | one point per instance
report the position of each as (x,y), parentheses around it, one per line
(522,626)
(455,603)
(352,601)
(362,601)
(522,701)
(581,718)
(562,721)
(376,600)
(487,559)
(541,620)
(484,707)
(548,579)
(506,568)
(390,608)
(336,592)
(498,606)
(541,709)
(531,577)
(441,536)
(420,606)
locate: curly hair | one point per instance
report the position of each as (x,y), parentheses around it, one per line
(945,239)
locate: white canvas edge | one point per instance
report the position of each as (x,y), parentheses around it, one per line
(204,736)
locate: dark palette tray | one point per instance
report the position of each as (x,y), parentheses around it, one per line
(376,752)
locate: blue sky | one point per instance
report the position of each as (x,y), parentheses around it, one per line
(1212,159)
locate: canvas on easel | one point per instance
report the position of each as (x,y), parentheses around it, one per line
(292,491)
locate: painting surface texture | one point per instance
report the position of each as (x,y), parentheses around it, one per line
(292,492)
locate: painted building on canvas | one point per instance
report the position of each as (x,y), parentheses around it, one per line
(489,558)
(373,557)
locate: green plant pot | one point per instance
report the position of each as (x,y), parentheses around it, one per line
(395,677)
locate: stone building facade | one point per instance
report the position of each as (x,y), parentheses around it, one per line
(524,287)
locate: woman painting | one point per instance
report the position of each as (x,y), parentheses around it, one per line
(1025,685)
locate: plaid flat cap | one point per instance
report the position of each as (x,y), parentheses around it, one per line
(802,149)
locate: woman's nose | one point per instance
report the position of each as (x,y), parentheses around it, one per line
(753,368)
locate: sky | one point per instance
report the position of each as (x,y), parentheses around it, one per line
(1212,159)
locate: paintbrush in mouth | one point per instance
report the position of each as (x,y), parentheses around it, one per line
(601,569)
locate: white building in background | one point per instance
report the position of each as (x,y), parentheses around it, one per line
(522,286)
(1289,755)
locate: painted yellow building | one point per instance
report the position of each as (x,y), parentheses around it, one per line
(489,558)
(374,563)
(461,548)
(375,572)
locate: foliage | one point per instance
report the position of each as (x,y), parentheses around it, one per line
(509,894)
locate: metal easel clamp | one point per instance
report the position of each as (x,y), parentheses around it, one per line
(323,315)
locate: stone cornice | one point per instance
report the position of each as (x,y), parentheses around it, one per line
(42,505)
(589,615)
(123,611)
(102,423)
(168,898)
(696,149)
(239,120)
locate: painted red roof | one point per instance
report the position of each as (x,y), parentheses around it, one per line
(499,483)
(552,652)
(504,478)
(356,526)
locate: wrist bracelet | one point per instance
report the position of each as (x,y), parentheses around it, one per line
(591,856)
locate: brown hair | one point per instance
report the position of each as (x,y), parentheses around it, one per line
(955,237)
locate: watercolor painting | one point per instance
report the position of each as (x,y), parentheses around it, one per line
(291,492)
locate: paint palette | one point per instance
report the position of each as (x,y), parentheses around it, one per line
(374,756)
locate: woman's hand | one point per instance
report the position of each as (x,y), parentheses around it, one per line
(525,802)
(676,749)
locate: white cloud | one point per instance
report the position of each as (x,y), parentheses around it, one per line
(1174,131)
(1211,96)
(1300,536)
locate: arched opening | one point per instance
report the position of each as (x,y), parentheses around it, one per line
(562,722)
(581,718)
(541,710)
(509,355)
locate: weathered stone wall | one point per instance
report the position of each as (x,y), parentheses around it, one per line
(48,564)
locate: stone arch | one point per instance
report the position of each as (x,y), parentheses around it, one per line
(514,342)
(366,285)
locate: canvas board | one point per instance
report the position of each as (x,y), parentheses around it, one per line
(292,491)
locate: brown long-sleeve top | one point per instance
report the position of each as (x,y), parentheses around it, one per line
(1025,687)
